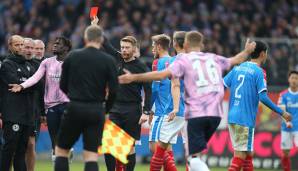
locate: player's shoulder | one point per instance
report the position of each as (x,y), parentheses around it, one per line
(284,92)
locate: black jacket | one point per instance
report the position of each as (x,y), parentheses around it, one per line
(16,107)
(130,93)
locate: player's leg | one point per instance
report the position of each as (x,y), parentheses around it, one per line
(30,152)
(69,133)
(52,123)
(11,137)
(196,142)
(109,159)
(94,120)
(242,140)
(154,132)
(184,139)
(167,136)
(248,162)
(19,157)
(132,115)
(286,145)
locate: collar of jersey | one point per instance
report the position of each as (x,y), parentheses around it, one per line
(294,93)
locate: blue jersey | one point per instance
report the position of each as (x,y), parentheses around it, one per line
(181,101)
(246,82)
(289,100)
(163,88)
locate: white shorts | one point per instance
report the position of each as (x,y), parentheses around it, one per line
(288,139)
(242,137)
(164,131)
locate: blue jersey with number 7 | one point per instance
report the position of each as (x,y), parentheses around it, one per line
(246,82)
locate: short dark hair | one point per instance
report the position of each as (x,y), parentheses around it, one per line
(179,37)
(66,42)
(260,47)
(163,40)
(293,72)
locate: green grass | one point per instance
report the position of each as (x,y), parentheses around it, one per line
(78,166)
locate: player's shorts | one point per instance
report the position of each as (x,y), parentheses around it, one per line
(35,130)
(168,131)
(288,139)
(199,132)
(82,118)
(127,117)
(242,137)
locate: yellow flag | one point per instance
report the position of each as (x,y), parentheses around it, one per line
(116,142)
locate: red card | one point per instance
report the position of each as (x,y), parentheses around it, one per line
(93,12)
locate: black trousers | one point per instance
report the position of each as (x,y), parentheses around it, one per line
(16,138)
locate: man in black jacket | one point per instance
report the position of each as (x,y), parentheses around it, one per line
(28,52)
(16,108)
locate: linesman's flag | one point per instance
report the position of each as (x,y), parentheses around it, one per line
(116,142)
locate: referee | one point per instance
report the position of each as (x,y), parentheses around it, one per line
(86,73)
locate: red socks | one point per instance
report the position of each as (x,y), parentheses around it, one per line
(286,163)
(157,159)
(120,166)
(236,164)
(248,165)
(169,161)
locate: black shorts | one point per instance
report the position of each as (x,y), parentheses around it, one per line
(199,132)
(35,130)
(127,117)
(82,118)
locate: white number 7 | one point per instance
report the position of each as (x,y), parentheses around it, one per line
(241,79)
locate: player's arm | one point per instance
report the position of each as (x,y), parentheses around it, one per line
(34,79)
(149,76)
(282,104)
(175,90)
(267,101)
(242,56)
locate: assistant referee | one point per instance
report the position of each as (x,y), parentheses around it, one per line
(86,73)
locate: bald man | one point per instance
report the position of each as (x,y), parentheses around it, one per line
(16,109)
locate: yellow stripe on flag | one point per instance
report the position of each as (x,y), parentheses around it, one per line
(116,142)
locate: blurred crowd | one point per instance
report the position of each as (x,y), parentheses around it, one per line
(223,22)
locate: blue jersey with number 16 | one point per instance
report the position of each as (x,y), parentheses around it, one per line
(246,82)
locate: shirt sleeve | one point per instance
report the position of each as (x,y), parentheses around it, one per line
(177,67)
(281,100)
(227,81)
(36,77)
(261,82)
(224,62)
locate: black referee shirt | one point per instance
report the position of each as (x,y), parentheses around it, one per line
(86,73)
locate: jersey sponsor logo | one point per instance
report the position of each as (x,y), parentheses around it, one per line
(290,104)
(15,127)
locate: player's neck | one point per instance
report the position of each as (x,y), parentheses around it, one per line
(294,89)
(163,54)
(180,51)
(194,49)
(259,62)
(93,44)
